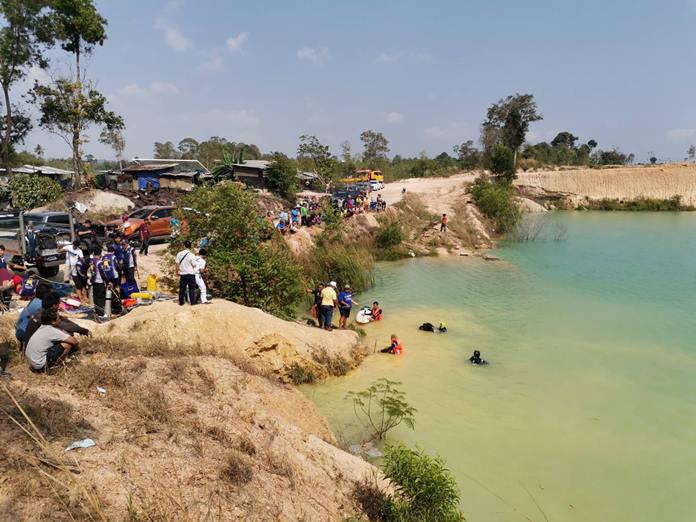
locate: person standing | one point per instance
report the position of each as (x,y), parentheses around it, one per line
(98,281)
(444,220)
(73,254)
(201,268)
(186,270)
(345,304)
(130,262)
(329,301)
(30,237)
(112,277)
(144,237)
(316,304)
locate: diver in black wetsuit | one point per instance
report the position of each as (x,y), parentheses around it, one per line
(476,358)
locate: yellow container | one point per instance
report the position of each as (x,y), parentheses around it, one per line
(152,283)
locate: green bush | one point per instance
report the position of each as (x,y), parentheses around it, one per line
(346,263)
(247,263)
(503,162)
(389,235)
(497,202)
(383,407)
(29,191)
(425,488)
(641,204)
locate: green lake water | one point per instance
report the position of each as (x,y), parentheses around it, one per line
(588,407)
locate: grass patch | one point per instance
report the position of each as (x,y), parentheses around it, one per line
(237,470)
(299,375)
(672,204)
(53,417)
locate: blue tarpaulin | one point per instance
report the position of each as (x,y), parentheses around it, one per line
(148,181)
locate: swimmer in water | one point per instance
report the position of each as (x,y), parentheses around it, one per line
(476,358)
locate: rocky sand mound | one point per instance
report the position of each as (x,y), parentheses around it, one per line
(186,422)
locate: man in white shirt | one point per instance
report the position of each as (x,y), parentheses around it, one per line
(49,345)
(186,268)
(200,281)
(72,254)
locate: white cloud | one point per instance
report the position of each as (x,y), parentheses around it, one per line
(235,44)
(172,35)
(242,118)
(155,88)
(454,131)
(394,117)
(387,57)
(132,89)
(680,135)
(316,55)
(163,88)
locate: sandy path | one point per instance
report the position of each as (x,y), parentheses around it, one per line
(440,194)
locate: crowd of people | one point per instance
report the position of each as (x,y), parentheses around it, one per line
(304,214)
(361,203)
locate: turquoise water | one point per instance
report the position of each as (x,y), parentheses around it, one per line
(588,407)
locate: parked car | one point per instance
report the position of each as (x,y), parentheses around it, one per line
(159,218)
(376,185)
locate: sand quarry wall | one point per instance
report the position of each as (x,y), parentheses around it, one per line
(656,182)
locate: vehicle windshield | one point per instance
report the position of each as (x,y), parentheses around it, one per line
(33,218)
(139,214)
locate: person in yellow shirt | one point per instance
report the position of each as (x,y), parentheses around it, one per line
(329,301)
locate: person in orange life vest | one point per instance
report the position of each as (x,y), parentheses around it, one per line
(395,347)
(376,312)
(443,223)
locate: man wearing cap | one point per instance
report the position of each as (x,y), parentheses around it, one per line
(345,303)
(329,301)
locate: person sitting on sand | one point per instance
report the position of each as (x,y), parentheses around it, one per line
(376,312)
(395,347)
(476,358)
(49,345)
(50,301)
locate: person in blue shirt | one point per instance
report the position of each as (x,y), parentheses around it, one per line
(30,237)
(33,307)
(120,248)
(3,261)
(281,227)
(345,304)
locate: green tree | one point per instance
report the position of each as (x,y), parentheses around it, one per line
(68,109)
(503,163)
(691,152)
(468,156)
(346,152)
(29,192)
(75,105)
(23,37)
(188,147)
(564,138)
(375,148)
(165,150)
(281,176)
(497,202)
(249,263)
(653,160)
(113,137)
(507,121)
(318,156)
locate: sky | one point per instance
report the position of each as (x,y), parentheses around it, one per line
(421,72)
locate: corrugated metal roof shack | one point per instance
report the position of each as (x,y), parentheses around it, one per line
(251,172)
(156,174)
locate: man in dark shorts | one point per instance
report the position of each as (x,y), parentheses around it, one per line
(49,345)
(345,304)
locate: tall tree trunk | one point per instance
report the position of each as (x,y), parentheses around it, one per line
(7,138)
(77,159)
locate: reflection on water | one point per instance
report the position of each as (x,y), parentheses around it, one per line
(589,404)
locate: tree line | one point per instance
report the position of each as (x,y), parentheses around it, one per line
(70,103)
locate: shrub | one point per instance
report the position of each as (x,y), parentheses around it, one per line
(503,162)
(249,264)
(299,375)
(389,235)
(237,470)
(282,176)
(350,263)
(425,488)
(29,191)
(383,406)
(497,202)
